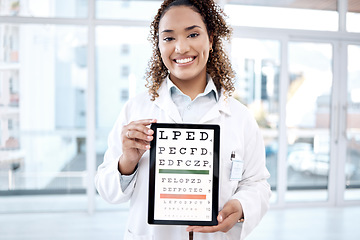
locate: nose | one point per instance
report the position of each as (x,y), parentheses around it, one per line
(181,46)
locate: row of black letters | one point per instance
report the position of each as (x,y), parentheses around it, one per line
(181,180)
(190,135)
(186,202)
(183,150)
(183,190)
(188,163)
(183,209)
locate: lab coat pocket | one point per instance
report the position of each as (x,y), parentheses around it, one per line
(131,236)
(226,176)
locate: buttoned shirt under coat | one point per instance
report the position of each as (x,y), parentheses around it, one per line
(239,132)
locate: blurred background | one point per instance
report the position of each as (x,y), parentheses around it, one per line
(68,66)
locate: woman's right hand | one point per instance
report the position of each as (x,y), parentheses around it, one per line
(135,137)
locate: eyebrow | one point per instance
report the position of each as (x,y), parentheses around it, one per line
(186,29)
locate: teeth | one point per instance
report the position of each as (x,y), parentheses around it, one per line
(184,60)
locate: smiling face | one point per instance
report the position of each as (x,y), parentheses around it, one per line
(184,45)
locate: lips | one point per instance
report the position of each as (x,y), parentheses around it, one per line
(184,60)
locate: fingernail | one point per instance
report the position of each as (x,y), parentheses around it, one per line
(220,218)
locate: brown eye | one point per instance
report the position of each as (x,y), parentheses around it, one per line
(193,35)
(168,39)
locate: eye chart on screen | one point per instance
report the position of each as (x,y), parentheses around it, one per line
(184,174)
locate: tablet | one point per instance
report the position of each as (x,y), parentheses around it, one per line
(184,174)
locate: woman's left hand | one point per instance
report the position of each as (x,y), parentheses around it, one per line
(227,218)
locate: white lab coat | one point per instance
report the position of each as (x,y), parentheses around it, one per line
(239,133)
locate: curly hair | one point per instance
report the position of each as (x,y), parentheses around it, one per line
(218,65)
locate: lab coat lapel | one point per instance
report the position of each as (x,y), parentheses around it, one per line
(215,112)
(165,103)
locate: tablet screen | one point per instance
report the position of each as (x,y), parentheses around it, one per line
(184,170)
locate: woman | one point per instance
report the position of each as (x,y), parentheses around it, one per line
(190,80)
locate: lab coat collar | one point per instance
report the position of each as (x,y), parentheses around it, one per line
(215,112)
(165,103)
(210,87)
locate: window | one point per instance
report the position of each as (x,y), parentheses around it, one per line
(45,8)
(44,101)
(257,63)
(128,10)
(116,84)
(352,164)
(308,120)
(320,14)
(353,16)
